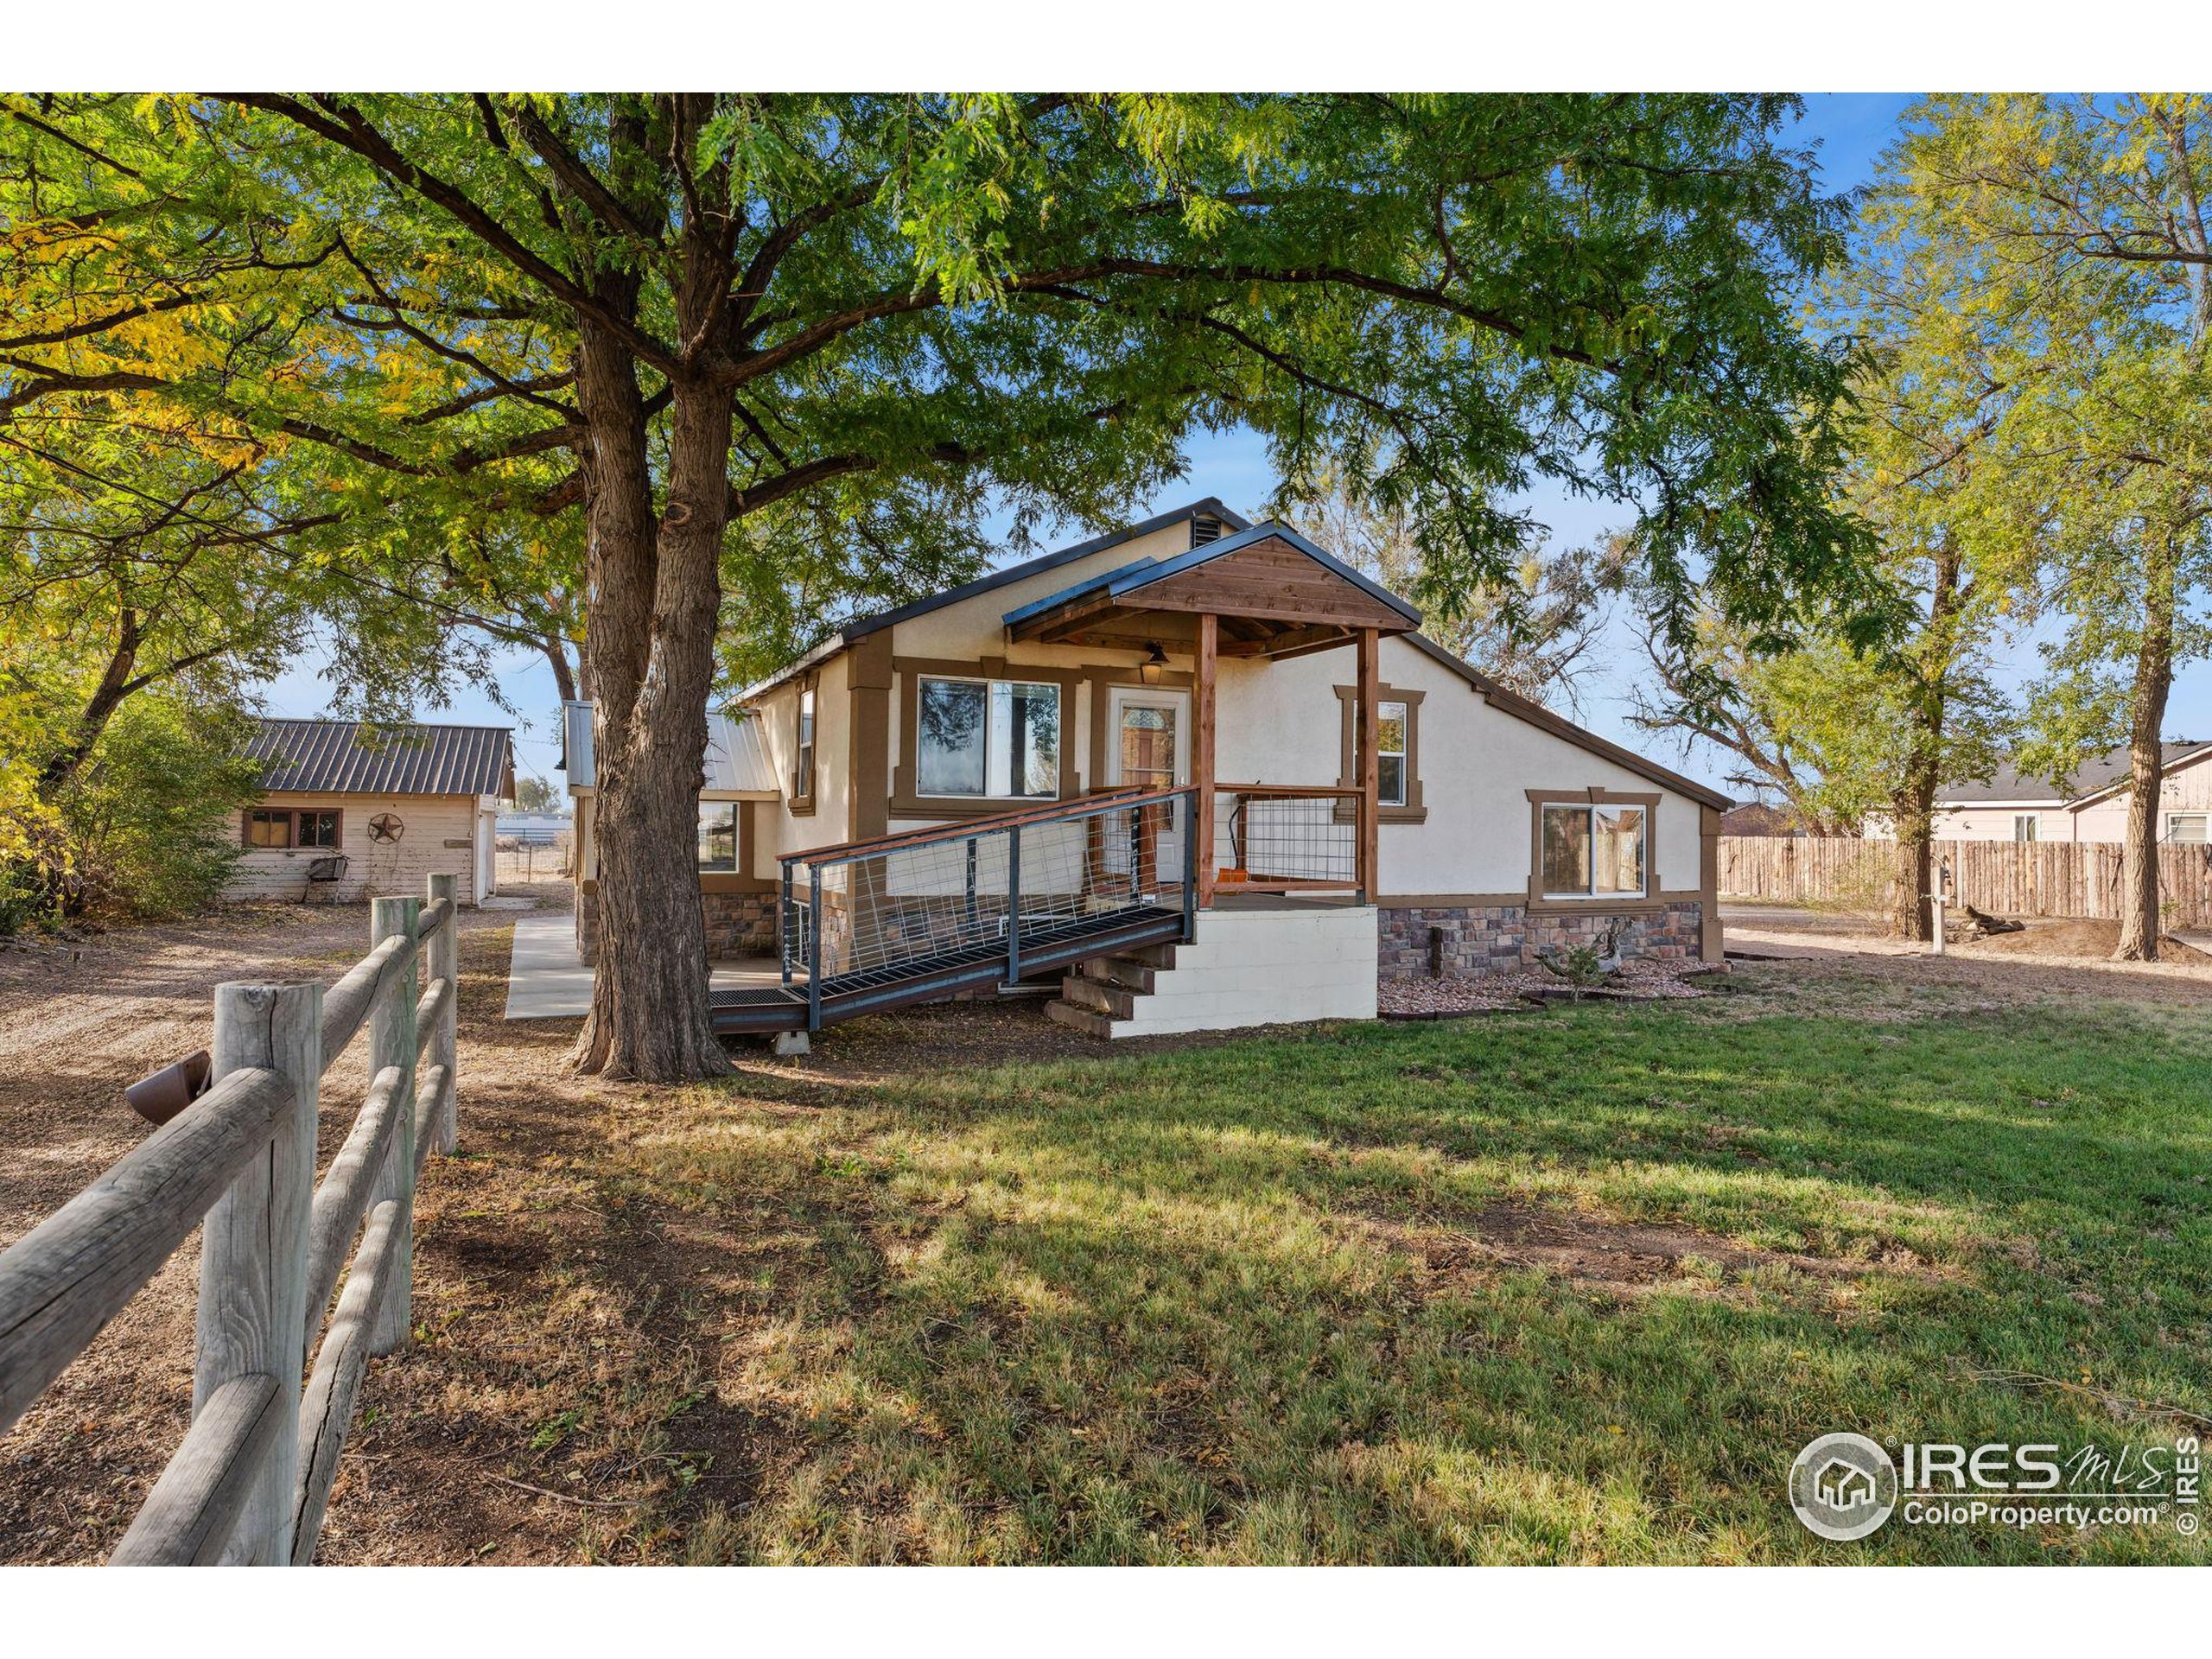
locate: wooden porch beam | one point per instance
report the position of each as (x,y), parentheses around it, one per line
(1202,756)
(1369,761)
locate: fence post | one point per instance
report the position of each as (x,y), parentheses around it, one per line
(1014,907)
(814,947)
(253,1248)
(391,1042)
(445,964)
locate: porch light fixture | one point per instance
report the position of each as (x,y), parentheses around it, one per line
(1154,661)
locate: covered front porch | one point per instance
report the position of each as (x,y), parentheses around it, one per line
(1129,868)
(1261,596)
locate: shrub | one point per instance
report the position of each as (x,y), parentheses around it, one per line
(146,822)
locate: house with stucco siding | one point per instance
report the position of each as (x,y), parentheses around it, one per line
(1209,729)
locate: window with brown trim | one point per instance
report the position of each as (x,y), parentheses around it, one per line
(1591,847)
(718,835)
(802,729)
(1397,751)
(284,826)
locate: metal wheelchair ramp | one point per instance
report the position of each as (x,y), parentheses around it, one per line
(873,925)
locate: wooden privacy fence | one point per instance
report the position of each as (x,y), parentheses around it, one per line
(253,1478)
(2009,877)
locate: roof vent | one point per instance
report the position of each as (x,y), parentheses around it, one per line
(1204,528)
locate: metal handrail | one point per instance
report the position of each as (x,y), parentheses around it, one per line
(845,851)
(804,911)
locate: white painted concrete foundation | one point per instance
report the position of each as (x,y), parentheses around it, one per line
(1281,965)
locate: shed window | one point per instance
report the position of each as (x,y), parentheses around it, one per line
(1593,852)
(2024,825)
(282,826)
(718,835)
(996,738)
(2188,828)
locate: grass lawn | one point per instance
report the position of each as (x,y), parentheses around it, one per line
(1571,1285)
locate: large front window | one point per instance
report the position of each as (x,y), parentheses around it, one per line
(1593,852)
(997,739)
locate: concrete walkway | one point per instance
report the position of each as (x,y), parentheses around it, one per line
(546,980)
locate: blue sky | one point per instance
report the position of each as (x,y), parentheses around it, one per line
(1850,130)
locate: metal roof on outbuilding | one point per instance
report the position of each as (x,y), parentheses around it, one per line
(340,757)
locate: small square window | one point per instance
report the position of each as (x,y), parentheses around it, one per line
(265,827)
(318,827)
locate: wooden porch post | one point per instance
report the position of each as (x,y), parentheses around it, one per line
(1370,764)
(1202,759)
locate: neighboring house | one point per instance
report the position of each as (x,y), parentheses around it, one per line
(371,811)
(1184,651)
(534,829)
(1757,818)
(2091,805)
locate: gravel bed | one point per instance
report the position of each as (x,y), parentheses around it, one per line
(1639,981)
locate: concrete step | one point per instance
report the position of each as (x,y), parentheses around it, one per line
(1125,971)
(1087,1020)
(1116,1001)
(1150,956)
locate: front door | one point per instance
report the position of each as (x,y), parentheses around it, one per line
(1149,748)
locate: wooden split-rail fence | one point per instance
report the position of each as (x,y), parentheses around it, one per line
(251,1480)
(2006,878)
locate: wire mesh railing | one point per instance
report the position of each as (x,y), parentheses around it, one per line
(1285,838)
(874,913)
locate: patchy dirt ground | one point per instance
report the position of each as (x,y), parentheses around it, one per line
(572,1324)
(532,1281)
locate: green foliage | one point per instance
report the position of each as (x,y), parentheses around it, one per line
(1530,634)
(2061,243)
(147,821)
(534,794)
(1582,967)
(952,305)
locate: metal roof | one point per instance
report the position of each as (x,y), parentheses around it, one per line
(340,757)
(1142,573)
(737,753)
(861,627)
(2098,775)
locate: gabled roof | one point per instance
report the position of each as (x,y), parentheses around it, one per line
(859,628)
(340,757)
(1142,573)
(2099,776)
(1513,704)
(737,760)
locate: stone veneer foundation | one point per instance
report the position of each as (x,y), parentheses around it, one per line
(1495,938)
(738,924)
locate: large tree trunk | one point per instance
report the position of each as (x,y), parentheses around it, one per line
(654,597)
(1912,884)
(1912,873)
(2154,675)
